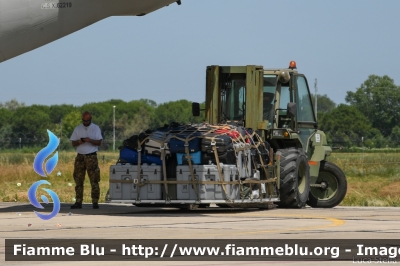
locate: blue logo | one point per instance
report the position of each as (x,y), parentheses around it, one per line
(32,198)
(38,164)
(44,153)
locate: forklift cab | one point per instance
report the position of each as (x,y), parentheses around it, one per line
(258,98)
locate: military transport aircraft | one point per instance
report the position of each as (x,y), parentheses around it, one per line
(28,24)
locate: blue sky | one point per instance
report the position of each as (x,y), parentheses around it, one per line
(163,55)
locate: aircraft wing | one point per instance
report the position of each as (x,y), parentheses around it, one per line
(28,24)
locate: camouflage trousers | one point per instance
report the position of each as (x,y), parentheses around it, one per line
(90,164)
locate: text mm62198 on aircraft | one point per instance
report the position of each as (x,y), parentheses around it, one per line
(28,24)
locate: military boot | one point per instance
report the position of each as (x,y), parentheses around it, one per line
(76,206)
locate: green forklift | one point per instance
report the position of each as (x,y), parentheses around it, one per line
(276,103)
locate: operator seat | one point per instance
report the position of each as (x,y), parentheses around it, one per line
(268,106)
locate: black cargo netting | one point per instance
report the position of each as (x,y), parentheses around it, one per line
(236,156)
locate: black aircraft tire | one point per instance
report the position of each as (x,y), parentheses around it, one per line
(335,191)
(294,178)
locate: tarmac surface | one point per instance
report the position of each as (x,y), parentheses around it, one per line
(120,221)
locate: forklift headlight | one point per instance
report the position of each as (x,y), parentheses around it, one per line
(277,133)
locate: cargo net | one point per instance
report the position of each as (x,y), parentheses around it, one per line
(239,158)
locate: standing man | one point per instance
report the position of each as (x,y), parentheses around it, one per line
(86,138)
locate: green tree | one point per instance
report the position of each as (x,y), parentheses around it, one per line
(176,111)
(6,134)
(395,137)
(32,121)
(101,113)
(130,117)
(149,102)
(70,121)
(378,98)
(133,117)
(12,105)
(5,117)
(345,124)
(57,112)
(375,139)
(324,103)
(126,127)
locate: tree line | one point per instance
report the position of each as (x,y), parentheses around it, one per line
(26,126)
(370,118)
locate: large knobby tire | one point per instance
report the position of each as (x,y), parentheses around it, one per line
(294,178)
(334,187)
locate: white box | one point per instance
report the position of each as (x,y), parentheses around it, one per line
(129,191)
(231,174)
(243,159)
(206,191)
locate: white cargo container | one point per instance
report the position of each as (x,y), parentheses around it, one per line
(207,191)
(243,159)
(124,182)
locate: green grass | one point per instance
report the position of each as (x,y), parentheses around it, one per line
(17,175)
(373,178)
